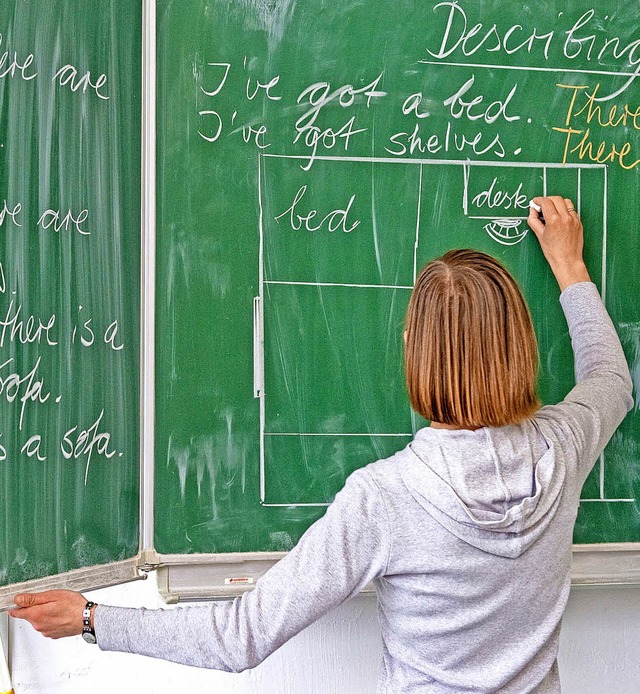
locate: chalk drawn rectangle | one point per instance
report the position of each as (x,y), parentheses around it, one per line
(443,188)
(333,360)
(335,225)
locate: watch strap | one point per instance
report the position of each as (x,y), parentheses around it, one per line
(88,633)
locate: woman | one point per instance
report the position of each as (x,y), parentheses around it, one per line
(466,532)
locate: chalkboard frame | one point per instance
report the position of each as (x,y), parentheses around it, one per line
(86,578)
(193,577)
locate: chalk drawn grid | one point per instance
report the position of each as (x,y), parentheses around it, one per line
(261,391)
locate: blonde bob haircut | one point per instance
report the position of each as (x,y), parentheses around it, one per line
(471,354)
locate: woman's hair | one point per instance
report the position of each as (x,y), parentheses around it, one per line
(471,354)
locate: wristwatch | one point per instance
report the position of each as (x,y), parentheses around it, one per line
(88,633)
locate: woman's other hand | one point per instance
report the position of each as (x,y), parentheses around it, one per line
(54,613)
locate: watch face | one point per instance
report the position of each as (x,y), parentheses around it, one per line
(89,637)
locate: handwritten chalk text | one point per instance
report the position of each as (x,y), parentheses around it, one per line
(586,112)
(493,198)
(26,330)
(68,76)
(334,220)
(9,66)
(27,388)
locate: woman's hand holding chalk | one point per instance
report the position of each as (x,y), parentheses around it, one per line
(538,209)
(560,236)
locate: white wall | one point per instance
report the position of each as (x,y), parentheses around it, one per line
(600,654)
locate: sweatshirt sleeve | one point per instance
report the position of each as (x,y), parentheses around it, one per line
(602,396)
(335,559)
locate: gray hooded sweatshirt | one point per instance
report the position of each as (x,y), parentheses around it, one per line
(466,534)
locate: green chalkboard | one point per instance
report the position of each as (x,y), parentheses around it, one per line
(70,88)
(311,157)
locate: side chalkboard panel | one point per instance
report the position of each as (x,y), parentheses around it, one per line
(70,88)
(311,158)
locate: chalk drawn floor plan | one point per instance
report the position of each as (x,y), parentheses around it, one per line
(340,247)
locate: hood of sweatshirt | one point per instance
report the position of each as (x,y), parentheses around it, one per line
(495,489)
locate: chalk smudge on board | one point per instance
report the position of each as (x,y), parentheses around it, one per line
(179,456)
(177,258)
(196,456)
(281,541)
(270,16)
(620,454)
(630,338)
(24,568)
(88,553)
(231,451)
(219,457)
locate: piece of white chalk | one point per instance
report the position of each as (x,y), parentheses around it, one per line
(537,208)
